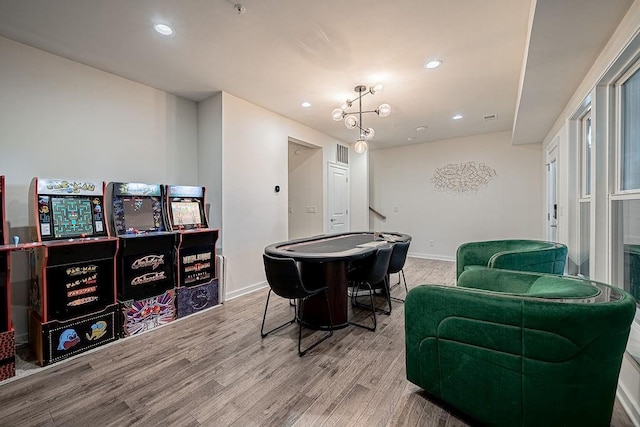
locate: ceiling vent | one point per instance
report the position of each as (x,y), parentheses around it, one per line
(489,117)
(342,154)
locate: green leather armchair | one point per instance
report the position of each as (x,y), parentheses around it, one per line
(522,255)
(519,349)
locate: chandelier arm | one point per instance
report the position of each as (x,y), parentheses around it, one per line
(346,113)
(351,101)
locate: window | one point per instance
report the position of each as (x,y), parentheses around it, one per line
(625,198)
(584,202)
(585,154)
(630,133)
(626,214)
(584,238)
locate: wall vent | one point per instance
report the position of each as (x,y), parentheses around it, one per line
(342,154)
(490,117)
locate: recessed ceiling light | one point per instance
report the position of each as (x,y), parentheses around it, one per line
(421,128)
(163,29)
(306,104)
(457,117)
(433,64)
(411,138)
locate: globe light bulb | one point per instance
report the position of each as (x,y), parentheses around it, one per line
(368,134)
(337,114)
(360,147)
(376,88)
(351,122)
(384,110)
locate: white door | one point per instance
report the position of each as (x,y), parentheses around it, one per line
(337,198)
(552,198)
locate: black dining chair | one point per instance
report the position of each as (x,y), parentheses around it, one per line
(285,281)
(396,265)
(373,277)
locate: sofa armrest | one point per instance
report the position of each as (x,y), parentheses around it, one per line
(476,253)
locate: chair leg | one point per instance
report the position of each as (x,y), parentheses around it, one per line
(303,352)
(355,303)
(264,318)
(395,284)
(405,281)
(388,292)
(400,279)
(372,306)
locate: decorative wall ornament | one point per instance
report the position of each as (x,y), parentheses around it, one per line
(462,178)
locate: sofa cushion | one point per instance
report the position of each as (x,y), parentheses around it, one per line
(533,285)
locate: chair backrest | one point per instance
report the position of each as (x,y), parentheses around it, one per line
(398,257)
(378,271)
(284,278)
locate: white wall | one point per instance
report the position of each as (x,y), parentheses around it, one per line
(359,179)
(305,191)
(509,207)
(62,119)
(210,156)
(254,161)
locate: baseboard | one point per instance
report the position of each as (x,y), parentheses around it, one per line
(22,339)
(431,256)
(628,404)
(245,291)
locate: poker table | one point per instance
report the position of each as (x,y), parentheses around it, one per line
(324,260)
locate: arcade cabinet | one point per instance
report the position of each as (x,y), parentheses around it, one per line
(145,258)
(73,305)
(197,286)
(7,334)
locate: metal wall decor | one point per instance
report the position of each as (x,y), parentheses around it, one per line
(462,178)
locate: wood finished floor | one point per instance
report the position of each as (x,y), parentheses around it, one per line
(213,369)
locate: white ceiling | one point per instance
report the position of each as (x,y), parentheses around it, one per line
(279,53)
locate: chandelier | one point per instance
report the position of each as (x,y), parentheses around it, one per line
(352,121)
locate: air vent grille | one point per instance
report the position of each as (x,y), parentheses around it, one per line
(342,154)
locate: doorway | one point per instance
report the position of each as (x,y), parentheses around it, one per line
(552,195)
(337,198)
(305,208)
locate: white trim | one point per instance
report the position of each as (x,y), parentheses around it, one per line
(625,196)
(246,290)
(431,256)
(629,406)
(327,216)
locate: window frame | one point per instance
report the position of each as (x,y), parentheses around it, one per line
(617,192)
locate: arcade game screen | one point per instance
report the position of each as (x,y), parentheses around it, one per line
(138,214)
(72,216)
(186,213)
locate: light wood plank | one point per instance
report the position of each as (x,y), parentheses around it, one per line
(214,369)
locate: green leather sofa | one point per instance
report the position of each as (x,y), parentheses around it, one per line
(522,255)
(513,348)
